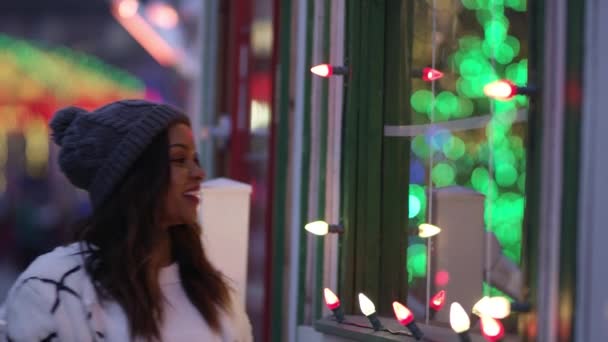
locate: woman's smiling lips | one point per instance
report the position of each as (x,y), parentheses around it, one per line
(193,195)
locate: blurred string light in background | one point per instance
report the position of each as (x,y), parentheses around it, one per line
(165,44)
(162,14)
(463,157)
(35,82)
(127,8)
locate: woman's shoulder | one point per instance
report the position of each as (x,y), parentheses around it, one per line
(56,263)
(48,298)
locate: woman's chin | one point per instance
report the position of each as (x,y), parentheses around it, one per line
(191,219)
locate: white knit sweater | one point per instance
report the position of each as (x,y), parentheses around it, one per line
(54,300)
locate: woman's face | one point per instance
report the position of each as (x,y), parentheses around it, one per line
(183,195)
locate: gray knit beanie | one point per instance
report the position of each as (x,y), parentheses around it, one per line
(99,147)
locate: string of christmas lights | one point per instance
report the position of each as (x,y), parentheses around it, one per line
(489,311)
(484,84)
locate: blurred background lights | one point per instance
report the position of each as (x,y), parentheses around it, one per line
(127,8)
(454,148)
(417,196)
(442,278)
(491,159)
(162,15)
(422,101)
(413,206)
(443,174)
(416,261)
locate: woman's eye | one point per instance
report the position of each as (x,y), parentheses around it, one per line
(178,160)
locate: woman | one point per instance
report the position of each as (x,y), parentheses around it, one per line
(137,270)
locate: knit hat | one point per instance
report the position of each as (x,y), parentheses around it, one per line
(99,147)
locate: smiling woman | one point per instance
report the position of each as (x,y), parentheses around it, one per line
(183,194)
(137,268)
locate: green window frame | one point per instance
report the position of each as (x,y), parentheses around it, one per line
(374,245)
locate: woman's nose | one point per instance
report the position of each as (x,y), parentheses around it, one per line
(198,173)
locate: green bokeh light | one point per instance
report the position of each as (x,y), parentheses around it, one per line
(490,4)
(495,30)
(465,87)
(483,152)
(416,261)
(419,192)
(470,68)
(503,156)
(420,147)
(518,72)
(470,4)
(514,44)
(422,101)
(483,16)
(504,53)
(413,206)
(507,234)
(443,174)
(439,138)
(502,107)
(454,149)
(513,253)
(506,175)
(521,100)
(446,104)
(465,108)
(496,131)
(479,179)
(492,192)
(507,208)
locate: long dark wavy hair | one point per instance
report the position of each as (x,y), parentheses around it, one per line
(121,236)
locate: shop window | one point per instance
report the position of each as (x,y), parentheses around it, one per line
(465,156)
(468,159)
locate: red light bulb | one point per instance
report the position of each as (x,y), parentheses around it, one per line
(331,300)
(438,301)
(323,70)
(333,304)
(406,318)
(430,74)
(492,329)
(402,313)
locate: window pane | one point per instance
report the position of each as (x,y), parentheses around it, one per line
(468,154)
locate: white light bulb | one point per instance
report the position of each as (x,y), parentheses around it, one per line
(481,307)
(459,320)
(500,90)
(498,307)
(426,230)
(317,227)
(366,305)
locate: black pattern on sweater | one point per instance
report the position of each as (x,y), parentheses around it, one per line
(59,286)
(49,338)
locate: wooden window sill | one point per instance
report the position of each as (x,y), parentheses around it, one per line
(329,326)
